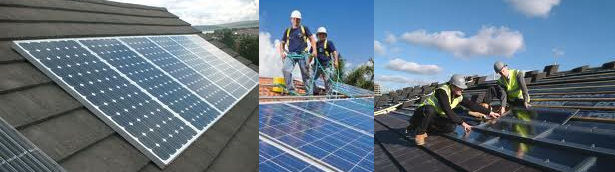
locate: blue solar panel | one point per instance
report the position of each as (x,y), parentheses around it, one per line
(196,82)
(337,145)
(19,154)
(271,158)
(360,105)
(202,66)
(158,95)
(143,121)
(188,105)
(233,73)
(345,115)
(225,57)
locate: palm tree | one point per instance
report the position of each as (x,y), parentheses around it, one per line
(362,76)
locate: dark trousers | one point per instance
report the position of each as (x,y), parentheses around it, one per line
(425,119)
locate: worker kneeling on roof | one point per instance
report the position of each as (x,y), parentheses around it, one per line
(325,52)
(296,40)
(513,83)
(435,114)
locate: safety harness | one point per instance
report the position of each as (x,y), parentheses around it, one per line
(304,36)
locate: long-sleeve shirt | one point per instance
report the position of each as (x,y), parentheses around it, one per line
(465,102)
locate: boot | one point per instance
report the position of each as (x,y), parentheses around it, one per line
(419,139)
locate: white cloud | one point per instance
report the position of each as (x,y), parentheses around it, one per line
(400,79)
(534,8)
(269,57)
(390,38)
(379,48)
(489,41)
(199,12)
(411,67)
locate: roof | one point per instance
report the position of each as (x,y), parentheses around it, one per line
(570,127)
(69,133)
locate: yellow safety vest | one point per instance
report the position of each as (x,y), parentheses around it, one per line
(513,89)
(433,100)
(302,33)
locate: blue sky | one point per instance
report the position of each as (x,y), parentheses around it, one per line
(349,24)
(525,36)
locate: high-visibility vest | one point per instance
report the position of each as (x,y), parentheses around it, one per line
(302,33)
(511,85)
(433,100)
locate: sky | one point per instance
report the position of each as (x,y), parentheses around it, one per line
(418,42)
(206,12)
(349,26)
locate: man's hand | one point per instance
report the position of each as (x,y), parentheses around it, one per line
(502,110)
(494,115)
(283,56)
(466,127)
(336,64)
(527,105)
(314,53)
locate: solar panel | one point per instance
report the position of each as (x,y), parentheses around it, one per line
(18,154)
(345,89)
(321,137)
(273,158)
(142,87)
(345,115)
(253,75)
(193,80)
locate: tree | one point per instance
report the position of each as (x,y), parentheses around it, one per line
(248,48)
(362,76)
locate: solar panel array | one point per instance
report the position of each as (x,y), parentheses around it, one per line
(569,128)
(345,89)
(159,92)
(319,134)
(18,154)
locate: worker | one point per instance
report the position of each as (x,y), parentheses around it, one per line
(294,50)
(512,83)
(325,52)
(485,100)
(435,114)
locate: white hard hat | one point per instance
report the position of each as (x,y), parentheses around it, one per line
(458,81)
(295,14)
(321,30)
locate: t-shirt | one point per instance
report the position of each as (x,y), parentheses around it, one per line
(296,43)
(320,48)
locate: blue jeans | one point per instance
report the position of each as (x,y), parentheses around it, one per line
(287,69)
(325,71)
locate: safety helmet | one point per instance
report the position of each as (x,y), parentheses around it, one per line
(497,66)
(458,81)
(321,30)
(295,14)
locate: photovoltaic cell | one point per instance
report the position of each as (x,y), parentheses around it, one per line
(146,88)
(19,154)
(271,158)
(348,117)
(337,145)
(200,65)
(225,57)
(222,66)
(120,103)
(196,82)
